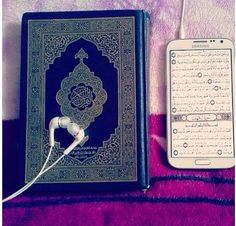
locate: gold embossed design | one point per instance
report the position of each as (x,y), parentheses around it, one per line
(107,42)
(109,153)
(115,38)
(81,96)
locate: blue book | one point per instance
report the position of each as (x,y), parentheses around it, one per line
(92,67)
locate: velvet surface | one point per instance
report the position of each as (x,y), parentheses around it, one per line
(176,197)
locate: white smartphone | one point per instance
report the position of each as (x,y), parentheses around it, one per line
(200,120)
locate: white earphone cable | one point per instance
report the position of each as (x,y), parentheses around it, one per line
(32,181)
(56,122)
(58,160)
(181,27)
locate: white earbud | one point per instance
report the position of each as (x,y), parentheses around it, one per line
(64,121)
(58,122)
(75,130)
(55,123)
(78,133)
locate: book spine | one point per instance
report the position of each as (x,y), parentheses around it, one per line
(143,97)
(146,26)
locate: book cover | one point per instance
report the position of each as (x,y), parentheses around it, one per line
(92,67)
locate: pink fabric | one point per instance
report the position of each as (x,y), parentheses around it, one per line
(176,197)
(122,214)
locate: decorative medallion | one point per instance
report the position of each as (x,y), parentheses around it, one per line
(81,96)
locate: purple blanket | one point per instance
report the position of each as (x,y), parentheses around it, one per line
(176,197)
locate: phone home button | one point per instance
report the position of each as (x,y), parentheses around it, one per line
(202,162)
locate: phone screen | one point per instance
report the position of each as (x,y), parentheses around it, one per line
(201,103)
